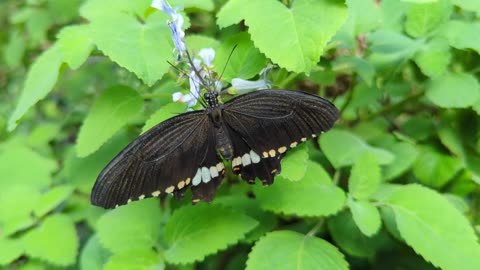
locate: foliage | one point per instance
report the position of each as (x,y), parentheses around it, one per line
(395,184)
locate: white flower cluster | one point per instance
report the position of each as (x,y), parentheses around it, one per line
(198,74)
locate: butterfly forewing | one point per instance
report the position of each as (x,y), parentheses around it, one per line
(165,159)
(270,122)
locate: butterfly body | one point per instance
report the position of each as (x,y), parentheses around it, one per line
(253,131)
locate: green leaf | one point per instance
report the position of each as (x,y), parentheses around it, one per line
(41,78)
(459,90)
(138,259)
(290,250)
(405,156)
(11,249)
(366,216)
(314,195)
(93,256)
(365,177)
(435,169)
(168,111)
(434,58)
(75,45)
(422,19)
(389,42)
(132,226)
(148,47)
(55,241)
(14,50)
(52,199)
(434,228)
(194,232)
(245,62)
(267,220)
(348,237)
(463,35)
(343,148)
(14,157)
(294,165)
(207,5)
(110,112)
(364,68)
(471,5)
(82,172)
(198,42)
(307,33)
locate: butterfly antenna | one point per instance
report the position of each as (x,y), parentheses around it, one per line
(228,60)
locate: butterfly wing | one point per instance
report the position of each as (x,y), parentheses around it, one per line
(267,123)
(173,155)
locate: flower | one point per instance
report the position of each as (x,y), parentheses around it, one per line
(180,97)
(207,55)
(262,83)
(176,25)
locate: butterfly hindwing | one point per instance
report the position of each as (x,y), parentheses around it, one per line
(269,122)
(166,159)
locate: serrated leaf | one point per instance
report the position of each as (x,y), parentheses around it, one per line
(343,148)
(110,112)
(306,32)
(434,228)
(94,255)
(55,241)
(14,157)
(294,164)
(132,226)
(313,195)
(435,169)
(138,259)
(405,156)
(75,44)
(366,216)
(425,18)
(41,77)
(245,62)
(290,250)
(148,47)
(459,90)
(195,232)
(52,199)
(365,177)
(11,249)
(168,111)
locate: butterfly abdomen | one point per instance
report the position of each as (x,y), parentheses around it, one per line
(223,143)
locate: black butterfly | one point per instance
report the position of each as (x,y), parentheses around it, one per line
(253,131)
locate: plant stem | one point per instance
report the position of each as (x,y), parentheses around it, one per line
(316,228)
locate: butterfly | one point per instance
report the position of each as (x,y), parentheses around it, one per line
(253,131)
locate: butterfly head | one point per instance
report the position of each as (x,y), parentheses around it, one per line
(211,98)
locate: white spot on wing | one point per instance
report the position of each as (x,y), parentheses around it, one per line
(156,193)
(282,149)
(254,157)
(236,161)
(303,139)
(197,179)
(293,144)
(220,166)
(272,152)
(141,197)
(170,189)
(213,172)
(246,160)
(205,175)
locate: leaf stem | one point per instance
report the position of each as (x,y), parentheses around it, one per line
(316,228)
(287,80)
(394,106)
